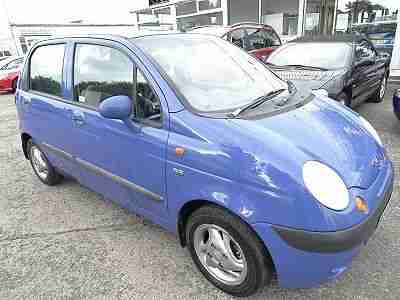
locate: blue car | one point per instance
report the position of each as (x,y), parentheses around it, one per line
(254,176)
(396,103)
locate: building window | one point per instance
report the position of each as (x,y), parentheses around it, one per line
(209,4)
(156,2)
(186,8)
(283,17)
(186,23)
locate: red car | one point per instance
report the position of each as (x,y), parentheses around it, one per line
(9,71)
(259,40)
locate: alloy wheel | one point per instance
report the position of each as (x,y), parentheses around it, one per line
(220,254)
(382,89)
(39,162)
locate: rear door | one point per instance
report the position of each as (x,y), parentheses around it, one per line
(46,106)
(124,162)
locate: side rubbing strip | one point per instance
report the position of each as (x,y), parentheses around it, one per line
(137,188)
(57,151)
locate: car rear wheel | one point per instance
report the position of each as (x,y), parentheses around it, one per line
(14,86)
(41,165)
(227,252)
(380,93)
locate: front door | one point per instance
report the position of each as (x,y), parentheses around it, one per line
(124,162)
(366,74)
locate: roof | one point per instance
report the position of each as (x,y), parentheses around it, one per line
(339,38)
(9,59)
(217,30)
(220,30)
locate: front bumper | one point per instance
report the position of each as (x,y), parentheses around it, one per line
(342,240)
(305,259)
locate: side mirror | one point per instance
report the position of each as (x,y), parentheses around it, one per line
(116,107)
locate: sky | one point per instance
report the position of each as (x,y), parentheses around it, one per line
(59,11)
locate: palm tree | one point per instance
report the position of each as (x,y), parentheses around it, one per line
(359,6)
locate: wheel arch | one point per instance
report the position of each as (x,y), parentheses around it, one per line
(24,140)
(191,206)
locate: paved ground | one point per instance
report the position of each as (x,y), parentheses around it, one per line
(67,242)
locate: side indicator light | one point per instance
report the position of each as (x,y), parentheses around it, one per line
(179,151)
(361,205)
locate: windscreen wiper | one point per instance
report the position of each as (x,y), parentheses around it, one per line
(305,67)
(256,102)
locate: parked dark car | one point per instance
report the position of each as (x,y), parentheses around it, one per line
(260,40)
(345,67)
(396,103)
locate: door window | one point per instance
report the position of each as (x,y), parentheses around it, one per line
(260,38)
(364,51)
(46,67)
(148,106)
(237,37)
(101,72)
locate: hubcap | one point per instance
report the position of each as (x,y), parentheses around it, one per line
(383,88)
(39,163)
(220,254)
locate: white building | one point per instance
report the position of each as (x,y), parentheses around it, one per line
(290,18)
(24,35)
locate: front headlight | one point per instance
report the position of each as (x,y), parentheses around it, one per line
(371,130)
(325,185)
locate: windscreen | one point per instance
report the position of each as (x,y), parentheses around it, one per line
(321,55)
(212,75)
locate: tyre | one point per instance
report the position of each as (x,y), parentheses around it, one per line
(14,86)
(41,165)
(227,251)
(344,99)
(380,93)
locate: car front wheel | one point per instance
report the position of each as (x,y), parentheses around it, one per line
(227,252)
(380,93)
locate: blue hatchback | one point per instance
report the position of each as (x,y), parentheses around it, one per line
(253,175)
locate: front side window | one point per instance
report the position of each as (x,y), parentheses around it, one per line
(46,68)
(211,74)
(147,106)
(101,72)
(364,50)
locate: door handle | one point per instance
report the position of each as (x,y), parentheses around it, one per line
(78,118)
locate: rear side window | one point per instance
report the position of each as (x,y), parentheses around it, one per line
(46,68)
(101,72)
(237,37)
(260,38)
